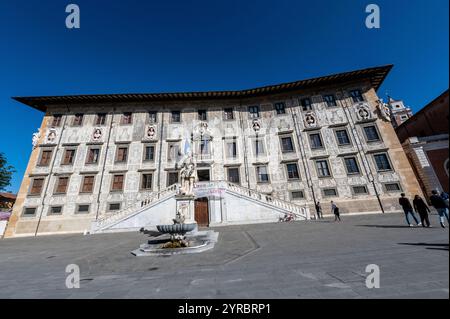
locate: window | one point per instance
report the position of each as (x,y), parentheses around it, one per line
(233,175)
(371,133)
(202,115)
(127,118)
(172,178)
(29,212)
(392,187)
(359,190)
(262,174)
(357,96)
(404,117)
(280,108)
(152,117)
(83,209)
(322,168)
(100,119)
(351,165)
(93,156)
(292,171)
(56,122)
(231,149)
(149,153)
(117,182)
(306,104)
(77,120)
(146,181)
(204,147)
(287,144)
(88,184)
(330,100)
(228,114)
(259,147)
(316,141)
(36,186)
(114,207)
(253,112)
(122,153)
(61,185)
(342,137)
(382,162)
(176,117)
(46,157)
(55,210)
(173,151)
(297,195)
(329,192)
(69,156)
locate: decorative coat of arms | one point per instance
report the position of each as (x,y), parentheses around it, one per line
(51,135)
(310,120)
(256,125)
(150,132)
(97,135)
(363,112)
(384,110)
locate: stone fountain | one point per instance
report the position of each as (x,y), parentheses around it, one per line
(184,234)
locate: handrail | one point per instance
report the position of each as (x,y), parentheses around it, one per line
(151,198)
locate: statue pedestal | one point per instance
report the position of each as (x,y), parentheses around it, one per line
(185,205)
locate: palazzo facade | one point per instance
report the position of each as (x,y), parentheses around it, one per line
(320,139)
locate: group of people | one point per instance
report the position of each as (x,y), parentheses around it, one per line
(334,211)
(439,201)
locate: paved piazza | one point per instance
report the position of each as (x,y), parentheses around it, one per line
(315,259)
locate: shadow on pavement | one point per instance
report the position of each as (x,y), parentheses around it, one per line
(386,226)
(430,246)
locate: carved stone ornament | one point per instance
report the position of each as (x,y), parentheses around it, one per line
(97,135)
(363,112)
(36,137)
(51,135)
(256,125)
(384,110)
(310,120)
(150,132)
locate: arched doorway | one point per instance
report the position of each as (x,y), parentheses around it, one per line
(201,211)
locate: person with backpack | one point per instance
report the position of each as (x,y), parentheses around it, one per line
(335,211)
(421,207)
(407,208)
(441,206)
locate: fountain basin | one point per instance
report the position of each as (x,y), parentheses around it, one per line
(176,228)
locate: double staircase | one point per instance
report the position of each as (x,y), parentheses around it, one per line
(276,205)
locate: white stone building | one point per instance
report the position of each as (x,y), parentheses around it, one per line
(108,162)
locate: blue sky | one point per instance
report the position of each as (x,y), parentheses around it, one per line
(175,45)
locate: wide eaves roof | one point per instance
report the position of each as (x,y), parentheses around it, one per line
(376,75)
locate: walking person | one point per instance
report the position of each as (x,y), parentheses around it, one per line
(335,211)
(319,210)
(421,207)
(407,208)
(441,206)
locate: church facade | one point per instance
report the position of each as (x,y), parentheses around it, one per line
(287,146)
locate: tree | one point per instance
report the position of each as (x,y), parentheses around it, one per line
(6,172)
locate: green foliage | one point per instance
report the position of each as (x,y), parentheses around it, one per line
(6,172)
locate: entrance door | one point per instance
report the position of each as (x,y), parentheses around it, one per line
(201,211)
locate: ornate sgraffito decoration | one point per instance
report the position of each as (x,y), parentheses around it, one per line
(201,131)
(310,120)
(203,128)
(51,135)
(256,125)
(97,135)
(363,112)
(150,132)
(36,137)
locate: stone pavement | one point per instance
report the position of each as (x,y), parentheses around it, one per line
(314,259)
